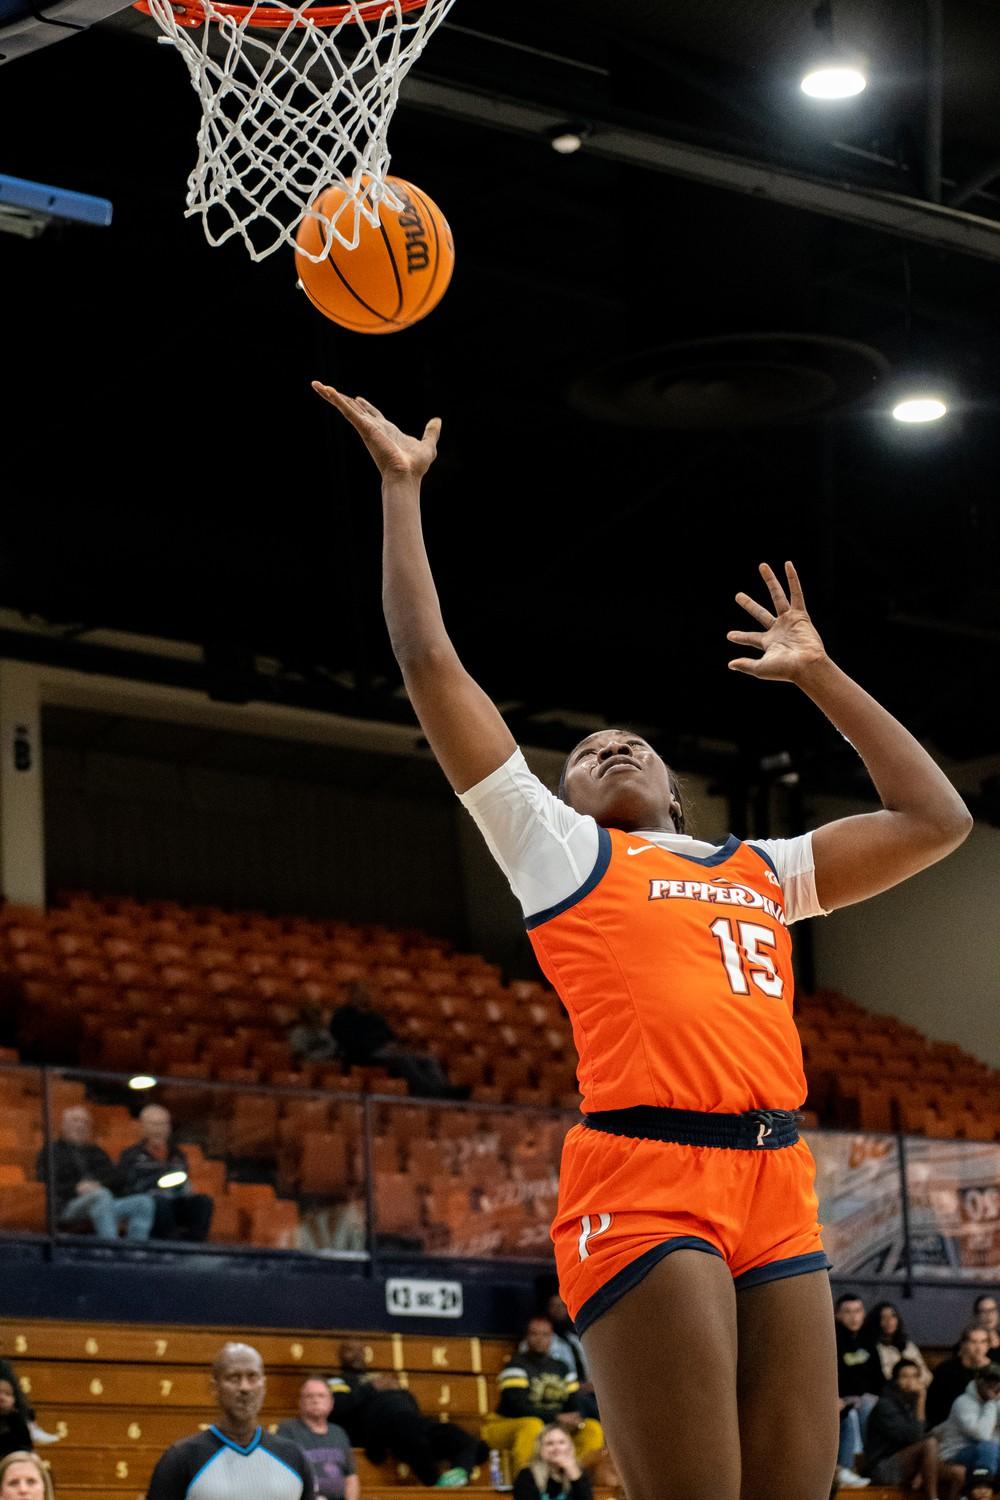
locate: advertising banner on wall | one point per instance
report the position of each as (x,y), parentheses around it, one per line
(954,1191)
(860,1202)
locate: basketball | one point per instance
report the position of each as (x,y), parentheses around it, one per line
(394,277)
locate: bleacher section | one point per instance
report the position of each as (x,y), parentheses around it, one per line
(117,1396)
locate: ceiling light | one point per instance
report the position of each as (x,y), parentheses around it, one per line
(142,1081)
(568,137)
(834,81)
(919,409)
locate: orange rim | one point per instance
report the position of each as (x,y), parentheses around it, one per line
(192,13)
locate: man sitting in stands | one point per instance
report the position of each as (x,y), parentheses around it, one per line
(364,1038)
(325,1445)
(234,1459)
(952,1376)
(384,1419)
(970,1434)
(536,1390)
(895,1445)
(158,1166)
(82,1180)
(859,1385)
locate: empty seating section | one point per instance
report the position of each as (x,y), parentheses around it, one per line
(876,1073)
(162,988)
(200,996)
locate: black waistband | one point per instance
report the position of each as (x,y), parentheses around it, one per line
(757,1129)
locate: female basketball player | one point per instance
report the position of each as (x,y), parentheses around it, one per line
(686,1235)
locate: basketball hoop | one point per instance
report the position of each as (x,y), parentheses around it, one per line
(295,98)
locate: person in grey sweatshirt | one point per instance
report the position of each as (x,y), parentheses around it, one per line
(970,1434)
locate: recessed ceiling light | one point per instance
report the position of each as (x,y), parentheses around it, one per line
(834,82)
(919,409)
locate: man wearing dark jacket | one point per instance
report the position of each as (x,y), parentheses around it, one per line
(536,1389)
(895,1445)
(158,1166)
(364,1037)
(952,1376)
(859,1383)
(379,1415)
(83,1180)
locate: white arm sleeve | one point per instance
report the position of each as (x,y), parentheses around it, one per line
(545,849)
(796,871)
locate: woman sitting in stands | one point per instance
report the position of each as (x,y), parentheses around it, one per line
(883,1332)
(686,1236)
(553,1473)
(23,1476)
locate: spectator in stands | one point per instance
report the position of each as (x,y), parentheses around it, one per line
(384,1419)
(39,1436)
(536,1391)
(83,1179)
(309,1039)
(970,1434)
(566,1343)
(234,1458)
(365,1038)
(554,1470)
(952,1376)
(980,1485)
(883,1332)
(157,1160)
(325,1445)
(23,1476)
(14,1434)
(986,1313)
(896,1447)
(859,1384)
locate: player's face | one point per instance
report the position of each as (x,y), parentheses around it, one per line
(315,1402)
(621,782)
(240,1386)
(22,1481)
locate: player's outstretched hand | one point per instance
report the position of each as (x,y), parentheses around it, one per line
(397,455)
(789,642)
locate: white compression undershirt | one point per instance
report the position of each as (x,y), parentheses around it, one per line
(547,851)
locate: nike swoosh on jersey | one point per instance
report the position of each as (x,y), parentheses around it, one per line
(643,849)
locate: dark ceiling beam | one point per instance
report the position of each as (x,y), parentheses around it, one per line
(974,184)
(933,97)
(943,227)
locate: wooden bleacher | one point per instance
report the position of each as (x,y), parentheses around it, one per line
(117,1396)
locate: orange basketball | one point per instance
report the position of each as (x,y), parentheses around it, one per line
(395,275)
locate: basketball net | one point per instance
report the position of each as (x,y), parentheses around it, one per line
(294,99)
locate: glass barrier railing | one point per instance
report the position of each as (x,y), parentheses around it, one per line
(191,1162)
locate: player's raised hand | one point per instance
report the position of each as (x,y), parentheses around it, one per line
(788,641)
(397,455)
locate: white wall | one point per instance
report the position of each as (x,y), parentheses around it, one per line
(927,951)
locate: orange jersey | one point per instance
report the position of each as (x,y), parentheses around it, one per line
(677,975)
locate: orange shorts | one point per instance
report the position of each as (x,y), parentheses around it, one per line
(625,1203)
